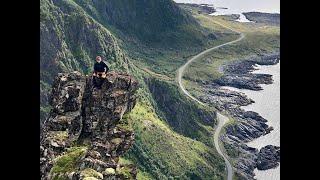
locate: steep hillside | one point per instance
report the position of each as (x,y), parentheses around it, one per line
(161,153)
(73,32)
(150,21)
(155,34)
(167,145)
(184,116)
(69,40)
(173,134)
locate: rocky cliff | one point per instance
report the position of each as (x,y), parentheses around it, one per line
(85,133)
(69,41)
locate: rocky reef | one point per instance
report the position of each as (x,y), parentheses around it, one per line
(268,157)
(238,74)
(250,158)
(85,134)
(249,125)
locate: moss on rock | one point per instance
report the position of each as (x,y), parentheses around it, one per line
(88,172)
(68,161)
(124,172)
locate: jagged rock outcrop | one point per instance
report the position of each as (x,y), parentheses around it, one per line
(69,40)
(237,74)
(84,136)
(268,157)
(249,158)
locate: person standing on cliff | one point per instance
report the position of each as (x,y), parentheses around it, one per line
(100,70)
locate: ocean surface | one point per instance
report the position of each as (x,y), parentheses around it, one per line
(239,6)
(267,104)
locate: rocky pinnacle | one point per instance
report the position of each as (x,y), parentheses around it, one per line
(83,138)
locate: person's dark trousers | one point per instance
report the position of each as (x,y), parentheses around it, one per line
(98,81)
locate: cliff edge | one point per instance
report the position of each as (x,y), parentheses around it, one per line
(85,133)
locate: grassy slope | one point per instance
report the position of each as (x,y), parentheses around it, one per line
(175,144)
(164,154)
(151,22)
(163,148)
(183,115)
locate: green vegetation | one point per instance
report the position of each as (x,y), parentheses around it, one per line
(182,114)
(157,35)
(151,22)
(231,151)
(143,176)
(125,124)
(163,153)
(167,145)
(259,39)
(88,172)
(58,136)
(124,161)
(68,162)
(125,172)
(173,134)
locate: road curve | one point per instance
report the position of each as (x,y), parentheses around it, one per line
(222,120)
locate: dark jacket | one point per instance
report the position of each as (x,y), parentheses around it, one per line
(100,67)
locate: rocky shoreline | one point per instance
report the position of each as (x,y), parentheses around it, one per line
(248,124)
(266,18)
(202,8)
(238,73)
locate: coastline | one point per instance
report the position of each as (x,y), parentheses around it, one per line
(268,111)
(249,125)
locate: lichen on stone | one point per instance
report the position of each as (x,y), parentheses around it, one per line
(109,171)
(124,172)
(88,172)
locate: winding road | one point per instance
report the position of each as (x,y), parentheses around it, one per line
(222,120)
